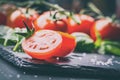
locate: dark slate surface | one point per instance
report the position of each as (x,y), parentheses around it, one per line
(75,64)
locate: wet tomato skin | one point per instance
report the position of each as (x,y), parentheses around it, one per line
(106,28)
(68,43)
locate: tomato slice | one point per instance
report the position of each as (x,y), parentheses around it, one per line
(43,44)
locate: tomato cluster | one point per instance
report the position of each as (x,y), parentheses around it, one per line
(65,24)
(52,30)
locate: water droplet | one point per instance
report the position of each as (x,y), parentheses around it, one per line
(84,54)
(18,76)
(24,72)
(50,78)
(80,58)
(35,76)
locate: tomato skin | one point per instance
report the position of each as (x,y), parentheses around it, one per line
(7,8)
(68,44)
(107,29)
(85,24)
(64,44)
(2,19)
(44,21)
(18,16)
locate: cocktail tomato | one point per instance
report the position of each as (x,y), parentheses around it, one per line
(49,20)
(18,16)
(45,44)
(85,23)
(106,28)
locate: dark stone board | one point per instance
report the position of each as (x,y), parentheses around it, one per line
(78,64)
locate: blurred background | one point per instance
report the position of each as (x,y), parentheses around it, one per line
(108,7)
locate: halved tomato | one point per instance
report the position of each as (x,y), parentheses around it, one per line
(45,44)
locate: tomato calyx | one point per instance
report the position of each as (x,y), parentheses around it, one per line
(54,16)
(74,19)
(28,33)
(26,13)
(64,13)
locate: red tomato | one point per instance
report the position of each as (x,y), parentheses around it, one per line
(68,44)
(85,24)
(45,44)
(107,29)
(7,8)
(2,19)
(45,21)
(18,16)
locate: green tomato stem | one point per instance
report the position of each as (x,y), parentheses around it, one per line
(61,10)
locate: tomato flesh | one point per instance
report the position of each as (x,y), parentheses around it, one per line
(43,44)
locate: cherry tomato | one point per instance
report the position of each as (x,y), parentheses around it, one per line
(18,16)
(46,21)
(107,29)
(85,24)
(7,8)
(45,44)
(2,19)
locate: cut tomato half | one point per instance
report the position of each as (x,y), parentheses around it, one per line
(43,44)
(46,44)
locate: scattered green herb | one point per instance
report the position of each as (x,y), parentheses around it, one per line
(8,37)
